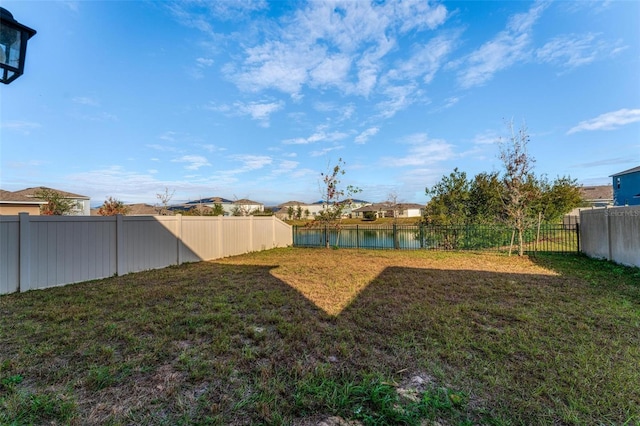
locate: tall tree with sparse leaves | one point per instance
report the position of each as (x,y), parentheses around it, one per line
(520,189)
(164,198)
(335,199)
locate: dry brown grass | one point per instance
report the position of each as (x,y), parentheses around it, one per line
(332,279)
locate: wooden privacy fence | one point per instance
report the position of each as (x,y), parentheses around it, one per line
(45,251)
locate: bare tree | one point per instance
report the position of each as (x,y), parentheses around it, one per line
(395,208)
(164,198)
(335,199)
(520,190)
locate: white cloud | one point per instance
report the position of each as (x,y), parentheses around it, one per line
(608,121)
(486,138)
(507,48)
(327,44)
(204,62)
(194,162)
(422,152)
(85,100)
(101,116)
(364,136)
(285,167)
(573,50)
(168,136)
(320,135)
(419,14)
(324,151)
(425,61)
(24,127)
(117,181)
(449,102)
(252,162)
(399,98)
(260,111)
(212,148)
(163,148)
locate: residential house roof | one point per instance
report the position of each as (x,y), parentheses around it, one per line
(292,203)
(597,193)
(375,207)
(140,209)
(8,197)
(31,192)
(210,200)
(246,201)
(410,206)
(626,172)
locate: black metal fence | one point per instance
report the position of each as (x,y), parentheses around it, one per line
(544,238)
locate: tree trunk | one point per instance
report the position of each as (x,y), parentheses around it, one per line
(520,243)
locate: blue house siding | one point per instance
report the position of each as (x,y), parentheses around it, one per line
(626,187)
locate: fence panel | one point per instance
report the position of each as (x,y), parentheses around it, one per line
(66,249)
(201,238)
(44,251)
(150,242)
(612,233)
(9,254)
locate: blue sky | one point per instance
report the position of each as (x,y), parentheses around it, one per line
(247,99)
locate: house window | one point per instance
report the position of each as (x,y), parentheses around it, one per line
(617,183)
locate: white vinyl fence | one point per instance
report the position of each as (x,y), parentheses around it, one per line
(45,251)
(612,233)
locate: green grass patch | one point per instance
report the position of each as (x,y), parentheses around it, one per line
(294,336)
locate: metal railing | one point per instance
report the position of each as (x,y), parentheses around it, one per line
(562,238)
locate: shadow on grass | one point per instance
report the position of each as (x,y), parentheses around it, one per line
(215,343)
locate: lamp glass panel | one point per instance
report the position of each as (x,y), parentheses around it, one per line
(10,46)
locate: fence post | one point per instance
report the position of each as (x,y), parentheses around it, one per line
(121,256)
(578,237)
(179,238)
(251,239)
(325,242)
(24,277)
(396,243)
(608,216)
(358,236)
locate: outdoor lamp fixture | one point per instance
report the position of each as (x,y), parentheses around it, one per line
(13,46)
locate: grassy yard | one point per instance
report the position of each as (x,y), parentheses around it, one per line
(294,336)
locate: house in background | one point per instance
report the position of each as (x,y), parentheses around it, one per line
(312,210)
(626,187)
(139,209)
(282,211)
(245,207)
(13,204)
(242,207)
(597,196)
(410,210)
(210,202)
(400,210)
(81,203)
(309,210)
